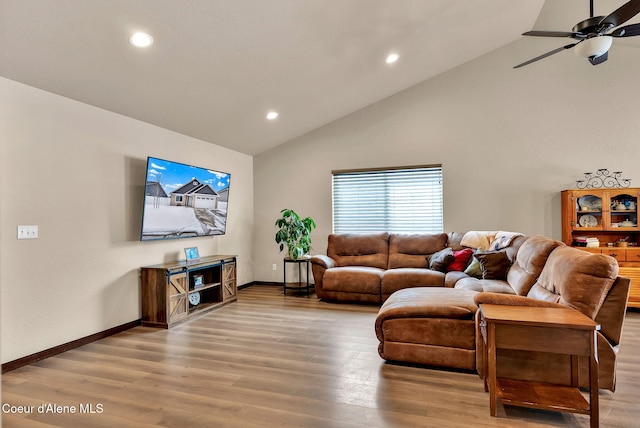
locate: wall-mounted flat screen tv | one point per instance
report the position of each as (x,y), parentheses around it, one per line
(183,201)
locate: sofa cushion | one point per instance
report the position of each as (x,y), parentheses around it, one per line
(494,264)
(576,278)
(397,279)
(370,250)
(411,250)
(353,279)
(428,302)
(488,285)
(440,260)
(530,259)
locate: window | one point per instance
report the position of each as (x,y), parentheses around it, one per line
(397,200)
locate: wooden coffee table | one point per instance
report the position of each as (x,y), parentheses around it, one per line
(555,330)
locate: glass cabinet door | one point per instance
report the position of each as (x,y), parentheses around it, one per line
(588,211)
(623,210)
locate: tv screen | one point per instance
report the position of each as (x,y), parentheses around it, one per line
(183,201)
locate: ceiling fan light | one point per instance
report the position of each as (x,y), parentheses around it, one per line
(593,47)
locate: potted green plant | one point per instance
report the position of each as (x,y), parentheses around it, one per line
(294,233)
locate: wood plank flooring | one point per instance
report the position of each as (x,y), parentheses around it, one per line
(276,361)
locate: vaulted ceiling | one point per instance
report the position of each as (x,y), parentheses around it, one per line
(218,66)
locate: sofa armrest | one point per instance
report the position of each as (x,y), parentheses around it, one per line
(613,310)
(323,261)
(513,300)
(319,264)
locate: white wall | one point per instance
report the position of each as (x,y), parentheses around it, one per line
(509,142)
(78,173)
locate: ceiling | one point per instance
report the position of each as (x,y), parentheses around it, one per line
(218,66)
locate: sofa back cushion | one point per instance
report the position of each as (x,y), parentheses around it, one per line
(412,250)
(454,239)
(514,247)
(529,261)
(576,278)
(359,250)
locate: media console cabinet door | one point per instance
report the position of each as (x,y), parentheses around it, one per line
(177,297)
(164,296)
(229,281)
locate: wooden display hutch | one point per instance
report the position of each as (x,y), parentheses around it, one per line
(175,291)
(611,216)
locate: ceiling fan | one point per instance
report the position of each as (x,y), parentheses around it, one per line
(594,36)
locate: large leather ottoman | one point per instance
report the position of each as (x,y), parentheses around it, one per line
(429,325)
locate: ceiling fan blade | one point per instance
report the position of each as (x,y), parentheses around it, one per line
(538,58)
(621,15)
(626,31)
(599,59)
(551,33)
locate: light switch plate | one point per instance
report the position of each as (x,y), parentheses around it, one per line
(27,232)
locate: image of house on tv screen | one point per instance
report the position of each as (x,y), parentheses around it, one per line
(183,201)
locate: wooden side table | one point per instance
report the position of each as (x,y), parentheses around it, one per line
(300,285)
(555,330)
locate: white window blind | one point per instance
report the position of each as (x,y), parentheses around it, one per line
(398,200)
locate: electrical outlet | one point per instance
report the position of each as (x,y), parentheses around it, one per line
(274,267)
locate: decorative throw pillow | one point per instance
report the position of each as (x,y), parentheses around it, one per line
(460,260)
(440,260)
(474,269)
(494,264)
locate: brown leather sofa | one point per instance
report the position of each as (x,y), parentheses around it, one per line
(428,317)
(430,326)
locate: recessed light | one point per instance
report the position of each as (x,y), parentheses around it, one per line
(392,57)
(141,40)
(272,115)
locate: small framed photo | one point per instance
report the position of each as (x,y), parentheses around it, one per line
(198,281)
(192,254)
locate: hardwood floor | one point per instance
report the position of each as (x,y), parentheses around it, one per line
(270,360)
